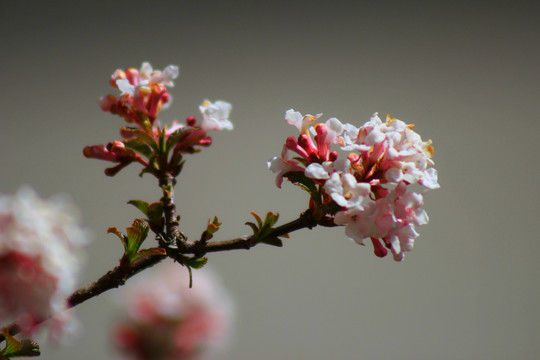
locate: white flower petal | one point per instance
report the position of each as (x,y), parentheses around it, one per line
(125,87)
(316,171)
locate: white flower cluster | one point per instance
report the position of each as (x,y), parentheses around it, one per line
(146,77)
(371,185)
(38,259)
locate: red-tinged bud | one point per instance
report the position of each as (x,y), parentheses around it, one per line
(320,139)
(133,76)
(107,103)
(207,141)
(165,98)
(191,121)
(155,100)
(98,152)
(333,156)
(125,99)
(379,191)
(115,169)
(305,142)
(115,152)
(378,248)
(117,75)
(321,129)
(354,158)
(292,144)
(186,145)
(126,134)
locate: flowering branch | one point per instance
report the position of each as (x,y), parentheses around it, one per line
(370,190)
(121,273)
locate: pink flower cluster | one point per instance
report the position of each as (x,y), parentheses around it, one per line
(371,185)
(143,94)
(167,320)
(38,259)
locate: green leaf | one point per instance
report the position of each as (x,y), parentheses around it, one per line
(163,142)
(332,208)
(262,231)
(191,262)
(176,169)
(146,170)
(143,136)
(140,147)
(155,212)
(300,179)
(258,218)
(114,230)
(270,219)
(253,227)
(301,160)
(148,252)
(136,234)
(16,348)
(195,263)
(141,205)
(274,241)
(211,229)
(177,136)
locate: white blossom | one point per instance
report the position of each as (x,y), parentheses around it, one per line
(215,115)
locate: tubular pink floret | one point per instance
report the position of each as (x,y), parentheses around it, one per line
(378,248)
(292,144)
(115,152)
(306,143)
(133,76)
(117,75)
(106,103)
(155,100)
(320,139)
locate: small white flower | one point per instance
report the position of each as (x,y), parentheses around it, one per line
(335,129)
(282,166)
(146,70)
(125,87)
(215,115)
(301,122)
(166,77)
(346,191)
(319,171)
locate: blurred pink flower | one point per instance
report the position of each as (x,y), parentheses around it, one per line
(38,259)
(167,320)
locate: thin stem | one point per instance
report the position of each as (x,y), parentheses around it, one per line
(112,279)
(166,182)
(304,221)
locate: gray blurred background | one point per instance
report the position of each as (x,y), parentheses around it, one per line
(466,73)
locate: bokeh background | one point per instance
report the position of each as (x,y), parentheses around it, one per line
(466,73)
